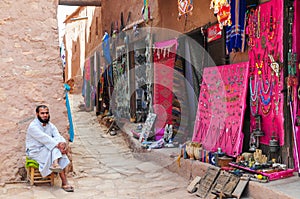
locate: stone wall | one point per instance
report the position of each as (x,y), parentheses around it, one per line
(30,74)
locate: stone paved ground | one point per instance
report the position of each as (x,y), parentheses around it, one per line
(104,167)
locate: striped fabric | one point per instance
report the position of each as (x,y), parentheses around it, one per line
(235,36)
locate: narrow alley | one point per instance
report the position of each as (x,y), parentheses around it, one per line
(104,167)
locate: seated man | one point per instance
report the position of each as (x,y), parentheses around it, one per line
(45,145)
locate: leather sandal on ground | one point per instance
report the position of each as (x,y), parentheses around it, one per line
(56,168)
(67,188)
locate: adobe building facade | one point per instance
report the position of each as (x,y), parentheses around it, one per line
(87,24)
(31,74)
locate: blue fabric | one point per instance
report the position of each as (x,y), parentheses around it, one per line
(71,129)
(235,37)
(106,48)
(107,56)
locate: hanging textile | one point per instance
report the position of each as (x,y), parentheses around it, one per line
(164,58)
(221,108)
(83,83)
(265,32)
(146,11)
(235,37)
(71,128)
(63,60)
(149,72)
(106,48)
(93,83)
(184,7)
(104,91)
(87,78)
(120,96)
(222,10)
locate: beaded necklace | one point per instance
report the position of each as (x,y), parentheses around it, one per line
(266,111)
(259,67)
(265,91)
(256,108)
(263,100)
(276,103)
(259,60)
(253,94)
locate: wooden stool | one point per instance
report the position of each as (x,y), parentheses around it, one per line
(34,177)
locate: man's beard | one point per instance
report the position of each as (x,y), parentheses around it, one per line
(44,121)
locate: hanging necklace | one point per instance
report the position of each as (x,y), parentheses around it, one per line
(266,111)
(256,108)
(265,91)
(262,90)
(260,62)
(259,66)
(276,108)
(253,94)
(263,100)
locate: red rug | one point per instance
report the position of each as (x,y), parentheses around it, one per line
(164,58)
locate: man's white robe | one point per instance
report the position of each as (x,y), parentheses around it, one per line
(41,144)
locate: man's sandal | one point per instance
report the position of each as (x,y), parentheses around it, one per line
(67,188)
(56,168)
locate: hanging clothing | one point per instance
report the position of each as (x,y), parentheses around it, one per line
(235,34)
(106,48)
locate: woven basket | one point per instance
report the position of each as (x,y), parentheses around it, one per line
(190,150)
(193,150)
(197,152)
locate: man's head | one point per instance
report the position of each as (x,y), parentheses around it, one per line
(42,113)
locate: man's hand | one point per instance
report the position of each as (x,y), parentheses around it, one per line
(62,146)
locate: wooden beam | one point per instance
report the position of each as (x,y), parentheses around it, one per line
(80,2)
